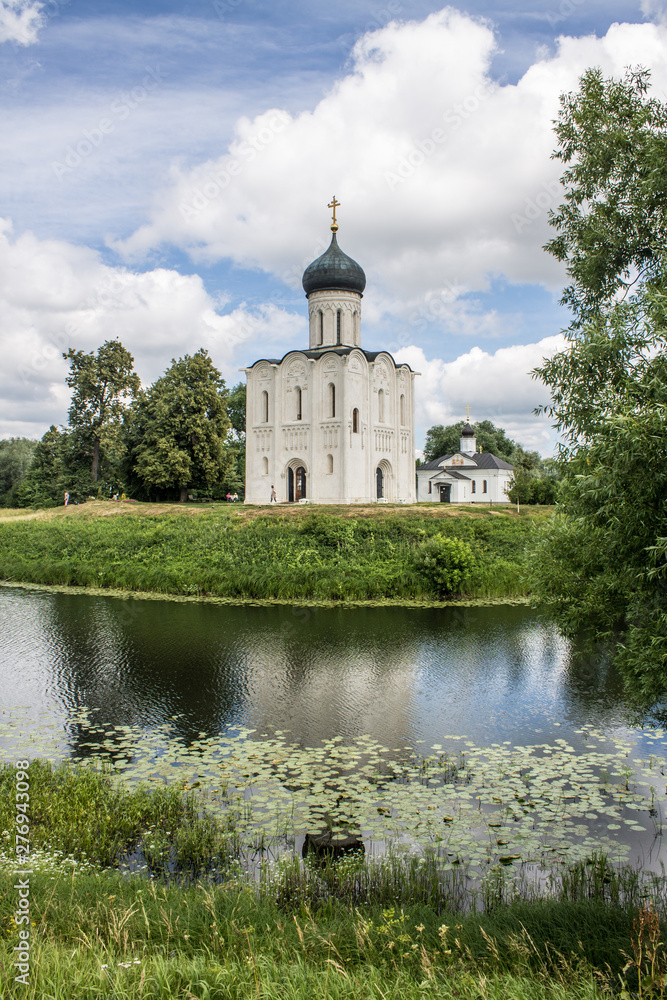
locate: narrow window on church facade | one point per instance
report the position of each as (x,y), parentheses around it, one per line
(265,466)
(338,327)
(355,421)
(329,464)
(381,406)
(473,488)
(298,403)
(402,410)
(484,486)
(429,487)
(332,399)
(321,327)
(265,407)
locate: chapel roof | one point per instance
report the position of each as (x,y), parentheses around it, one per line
(334,270)
(320,351)
(485,460)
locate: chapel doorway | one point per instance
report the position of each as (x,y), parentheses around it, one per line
(445,492)
(380,483)
(296,484)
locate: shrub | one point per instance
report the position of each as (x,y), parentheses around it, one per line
(445,563)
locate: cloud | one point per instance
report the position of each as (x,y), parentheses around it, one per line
(54,295)
(497,387)
(20,21)
(444,174)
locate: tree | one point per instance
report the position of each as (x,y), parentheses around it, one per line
(178,427)
(102,383)
(603,561)
(16,455)
(44,483)
(446,440)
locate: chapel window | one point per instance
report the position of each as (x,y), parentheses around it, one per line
(381,406)
(265,407)
(402,408)
(329,464)
(298,403)
(484,486)
(355,421)
(265,466)
(473,488)
(332,399)
(338,327)
(321,327)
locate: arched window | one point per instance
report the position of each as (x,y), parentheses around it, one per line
(355,421)
(338,327)
(329,464)
(381,406)
(402,404)
(332,399)
(265,407)
(321,327)
(265,466)
(298,403)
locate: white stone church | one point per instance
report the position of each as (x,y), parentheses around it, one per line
(334,423)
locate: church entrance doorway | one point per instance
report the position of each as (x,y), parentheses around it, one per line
(296,484)
(445,492)
(380,483)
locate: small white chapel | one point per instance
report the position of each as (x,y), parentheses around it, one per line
(466,476)
(333,423)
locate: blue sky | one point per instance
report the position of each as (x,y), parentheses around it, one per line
(166,170)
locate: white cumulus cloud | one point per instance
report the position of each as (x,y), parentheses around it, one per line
(20,21)
(496,386)
(445,176)
(54,295)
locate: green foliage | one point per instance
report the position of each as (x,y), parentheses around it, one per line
(330,531)
(44,483)
(445,440)
(446,563)
(102,382)
(220,553)
(604,561)
(525,488)
(16,456)
(613,222)
(236,407)
(178,428)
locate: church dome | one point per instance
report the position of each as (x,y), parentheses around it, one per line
(334,270)
(467,431)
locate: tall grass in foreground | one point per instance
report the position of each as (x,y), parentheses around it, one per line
(354,928)
(317,557)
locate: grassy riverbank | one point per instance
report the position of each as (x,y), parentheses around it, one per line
(297,553)
(356,928)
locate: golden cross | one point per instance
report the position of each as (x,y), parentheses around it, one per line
(334,204)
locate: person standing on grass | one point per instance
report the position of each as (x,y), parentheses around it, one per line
(66,497)
(274,495)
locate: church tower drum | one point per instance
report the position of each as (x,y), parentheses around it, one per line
(333,423)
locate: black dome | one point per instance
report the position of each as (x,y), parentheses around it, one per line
(334,269)
(467,431)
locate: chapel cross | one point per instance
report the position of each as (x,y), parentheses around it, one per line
(468,414)
(334,204)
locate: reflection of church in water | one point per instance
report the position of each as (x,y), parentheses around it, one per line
(334,423)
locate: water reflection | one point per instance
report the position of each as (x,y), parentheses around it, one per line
(400,675)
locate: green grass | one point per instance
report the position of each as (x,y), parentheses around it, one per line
(313,555)
(357,928)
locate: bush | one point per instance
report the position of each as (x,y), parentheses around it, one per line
(445,563)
